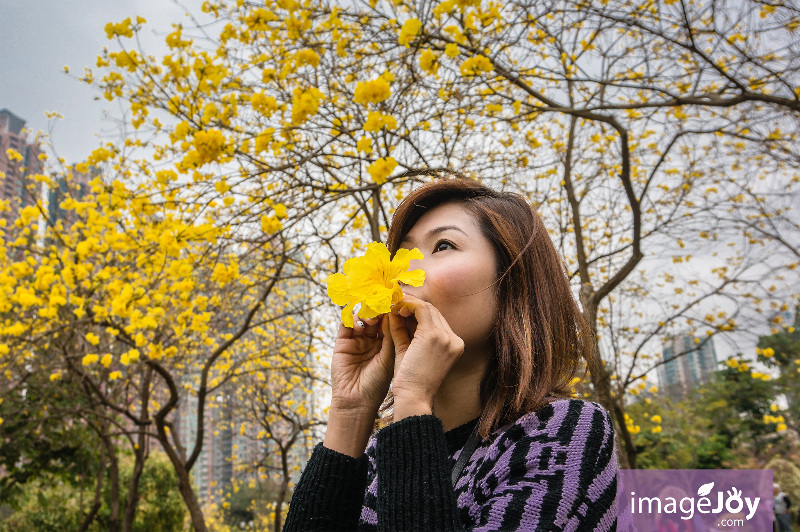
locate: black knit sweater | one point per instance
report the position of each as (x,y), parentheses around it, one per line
(554,469)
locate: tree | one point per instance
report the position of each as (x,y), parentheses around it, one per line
(272,140)
(781,350)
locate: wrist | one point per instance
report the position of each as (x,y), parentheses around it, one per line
(411,406)
(348,432)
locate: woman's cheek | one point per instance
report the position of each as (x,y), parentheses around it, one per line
(457,293)
(450,284)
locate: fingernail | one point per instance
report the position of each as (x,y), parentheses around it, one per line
(360,323)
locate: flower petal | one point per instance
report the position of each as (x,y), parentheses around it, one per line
(367,312)
(413,278)
(347,314)
(337,289)
(402,260)
(380,301)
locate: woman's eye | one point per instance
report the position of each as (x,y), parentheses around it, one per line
(440,243)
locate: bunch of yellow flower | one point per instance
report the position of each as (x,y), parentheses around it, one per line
(476,65)
(374,91)
(381,169)
(373,280)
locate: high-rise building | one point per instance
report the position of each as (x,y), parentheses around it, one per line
(76,185)
(17,187)
(686,363)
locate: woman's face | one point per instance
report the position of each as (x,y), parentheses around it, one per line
(460,269)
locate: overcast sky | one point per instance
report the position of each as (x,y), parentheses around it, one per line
(39,37)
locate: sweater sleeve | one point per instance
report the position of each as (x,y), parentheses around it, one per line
(413,470)
(330,493)
(553,470)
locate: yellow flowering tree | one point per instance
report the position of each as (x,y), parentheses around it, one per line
(271,140)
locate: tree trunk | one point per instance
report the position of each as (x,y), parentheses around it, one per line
(284,489)
(190,499)
(113,480)
(133,486)
(140,454)
(601,381)
(98,502)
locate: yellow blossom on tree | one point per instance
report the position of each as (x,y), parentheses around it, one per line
(270,224)
(374,91)
(409,30)
(656,419)
(451,50)
(89,359)
(106,360)
(373,280)
(365,145)
(381,169)
(429,62)
(305,104)
(476,65)
(130,356)
(376,121)
(114,375)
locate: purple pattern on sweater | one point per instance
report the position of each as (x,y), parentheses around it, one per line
(540,486)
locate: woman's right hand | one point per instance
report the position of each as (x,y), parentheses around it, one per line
(361,372)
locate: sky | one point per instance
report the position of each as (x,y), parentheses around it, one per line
(39,37)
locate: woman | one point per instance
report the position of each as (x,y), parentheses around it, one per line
(486,347)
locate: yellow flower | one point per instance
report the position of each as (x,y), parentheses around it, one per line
(374,91)
(656,419)
(376,121)
(114,375)
(365,145)
(429,62)
(451,50)
(305,104)
(130,356)
(374,281)
(408,31)
(381,169)
(89,359)
(657,429)
(106,360)
(475,65)
(92,338)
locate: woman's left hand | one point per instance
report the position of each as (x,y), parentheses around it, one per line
(422,362)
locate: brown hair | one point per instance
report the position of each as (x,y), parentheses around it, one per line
(539,333)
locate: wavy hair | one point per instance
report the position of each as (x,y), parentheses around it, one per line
(539,335)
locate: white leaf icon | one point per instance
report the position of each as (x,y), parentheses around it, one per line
(705,489)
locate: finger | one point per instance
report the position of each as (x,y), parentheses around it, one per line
(373,327)
(421,310)
(344,331)
(399,333)
(387,346)
(358,326)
